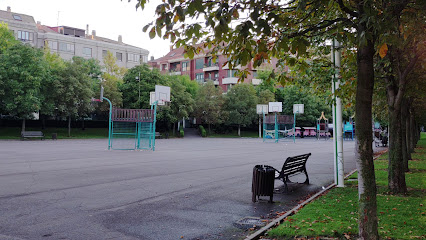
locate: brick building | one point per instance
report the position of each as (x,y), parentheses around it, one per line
(201,68)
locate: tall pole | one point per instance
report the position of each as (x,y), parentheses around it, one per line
(139,86)
(294,128)
(109,122)
(260,127)
(337,120)
(276,128)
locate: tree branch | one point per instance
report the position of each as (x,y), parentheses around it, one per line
(410,67)
(346,9)
(320,26)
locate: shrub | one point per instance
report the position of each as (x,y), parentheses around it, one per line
(181,133)
(203,131)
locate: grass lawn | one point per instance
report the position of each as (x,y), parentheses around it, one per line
(76,133)
(335,213)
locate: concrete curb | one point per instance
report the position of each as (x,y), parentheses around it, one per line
(279,220)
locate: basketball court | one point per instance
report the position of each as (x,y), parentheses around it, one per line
(195,187)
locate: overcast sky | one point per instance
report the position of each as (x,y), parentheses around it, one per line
(109,18)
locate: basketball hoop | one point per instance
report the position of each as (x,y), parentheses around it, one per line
(161,96)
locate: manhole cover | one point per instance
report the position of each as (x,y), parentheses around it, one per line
(249,222)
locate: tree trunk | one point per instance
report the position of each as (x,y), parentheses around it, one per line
(363,118)
(407,132)
(210,129)
(412,132)
(23,125)
(404,136)
(239,131)
(417,132)
(82,124)
(396,173)
(69,126)
(43,121)
(174,126)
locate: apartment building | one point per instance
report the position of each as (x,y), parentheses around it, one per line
(68,42)
(202,68)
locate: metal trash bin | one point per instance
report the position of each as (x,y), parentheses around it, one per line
(263,182)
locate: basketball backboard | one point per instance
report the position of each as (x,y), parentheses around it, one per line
(151,98)
(162,94)
(298,108)
(262,108)
(275,107)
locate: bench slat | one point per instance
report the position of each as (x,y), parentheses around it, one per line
(28,134)
(293,165)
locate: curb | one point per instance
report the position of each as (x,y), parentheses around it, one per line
(279,220)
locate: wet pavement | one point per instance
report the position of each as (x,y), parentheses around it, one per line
(190,188)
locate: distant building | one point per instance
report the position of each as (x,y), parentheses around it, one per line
(68,41)
(202,69)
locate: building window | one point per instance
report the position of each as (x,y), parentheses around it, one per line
(199,77)
(164,67)
(144,58)
(199,63)
(232,73)
(104,53)
(216,75)
(17,17)
(119,56)
(254,74)
(185,66)
(66,47)
(133,57)
(53,45)
(210,62)
(25,36)
(87,52)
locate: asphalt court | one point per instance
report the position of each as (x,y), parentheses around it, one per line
(190,188)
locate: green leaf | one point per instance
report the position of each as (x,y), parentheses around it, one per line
(152,33)
(144,29)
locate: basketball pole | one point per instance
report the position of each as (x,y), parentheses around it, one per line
(109,122)
(153,125)
(260,127)
(337,120)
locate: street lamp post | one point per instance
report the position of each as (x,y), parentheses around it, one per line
(139,88)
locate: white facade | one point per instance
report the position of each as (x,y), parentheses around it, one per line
(68,46)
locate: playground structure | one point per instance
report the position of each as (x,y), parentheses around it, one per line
(348,130)
(322,127)
(131,129)
(277,126)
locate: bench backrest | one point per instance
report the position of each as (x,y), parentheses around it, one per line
(295,164)
(32,133)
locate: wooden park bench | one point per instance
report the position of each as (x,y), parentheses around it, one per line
(293,165)
(32,134)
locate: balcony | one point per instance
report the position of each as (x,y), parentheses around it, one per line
(175,71)
(256,81)
(230,80)
(215,81)
(211,67)
(226,67)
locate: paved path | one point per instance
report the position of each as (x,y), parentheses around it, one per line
(195,188)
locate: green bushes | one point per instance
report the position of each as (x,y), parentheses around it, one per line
(203,131)
(181,133)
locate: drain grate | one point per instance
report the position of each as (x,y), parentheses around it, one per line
(249,222)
